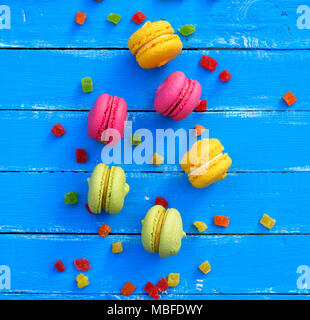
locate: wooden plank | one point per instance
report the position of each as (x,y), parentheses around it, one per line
(50,79)
(240,264)
(239,24)
(106,296)
(256,141)
(38,206)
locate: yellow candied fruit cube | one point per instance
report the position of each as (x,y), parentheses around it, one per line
(205,267)
(173,279)
(82,284)
(80,277)
(157,159)
(201,226)
(117,247)
(267,221)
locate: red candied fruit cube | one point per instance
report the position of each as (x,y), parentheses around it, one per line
(82,264)
(161,201)
(221,221)
(59,266)
(208,63)
(162,284)
(138,17)
(81,155)
(202,105)
(225,76)
(58,130)
(80,17)
(128,289)
(104,230)
(151,289)
(87,207)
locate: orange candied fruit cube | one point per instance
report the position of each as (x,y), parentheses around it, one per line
(128,289)
(199,130)
(289,98)
(80,17)
(221,221)
(104,230)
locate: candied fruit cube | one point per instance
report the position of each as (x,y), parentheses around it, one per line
(221,221)
(59,266)
(104,230)
(82,264)
(87,84)
(187,30)
(80,18)
(117,247)
(114,18)
(161,201)
(71,198)
(82,281)
(225,76)
(199,130)
(205,267)
(87,207)
(128,289)
(201,226)
(136,139)
(157,159)
(208,63)
(152,290)
(58,130)
(173,279)
(267,221)
(138,17)
(202,105)
(162,284)
(289,98)
(81,155)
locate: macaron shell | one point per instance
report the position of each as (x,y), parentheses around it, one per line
(98,116)
(116,191)
(149,226)
(159,52)
(201,152)
(168,92)
(171,234)
(189,102)
(214,172)
(148,32)
(96,187)
(117,119)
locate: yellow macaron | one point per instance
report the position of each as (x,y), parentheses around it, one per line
(154,44)
(205,163)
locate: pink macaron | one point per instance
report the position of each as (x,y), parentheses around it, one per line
(177,96)
(106,119)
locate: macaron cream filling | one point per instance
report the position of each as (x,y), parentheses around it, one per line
(206,164)
(151,41)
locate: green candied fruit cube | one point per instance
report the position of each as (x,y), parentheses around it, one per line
(114,17)
(71,198)
(187,30)
(87,84)
(136,139)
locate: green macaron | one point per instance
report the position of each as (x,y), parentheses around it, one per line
(107,189)
(162,231)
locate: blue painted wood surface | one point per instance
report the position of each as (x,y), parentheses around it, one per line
(237,24)
(268,142)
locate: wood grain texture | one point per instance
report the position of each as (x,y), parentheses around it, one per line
(237,24)
(256,141)
(51,79)
(39,207)
(240,264)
